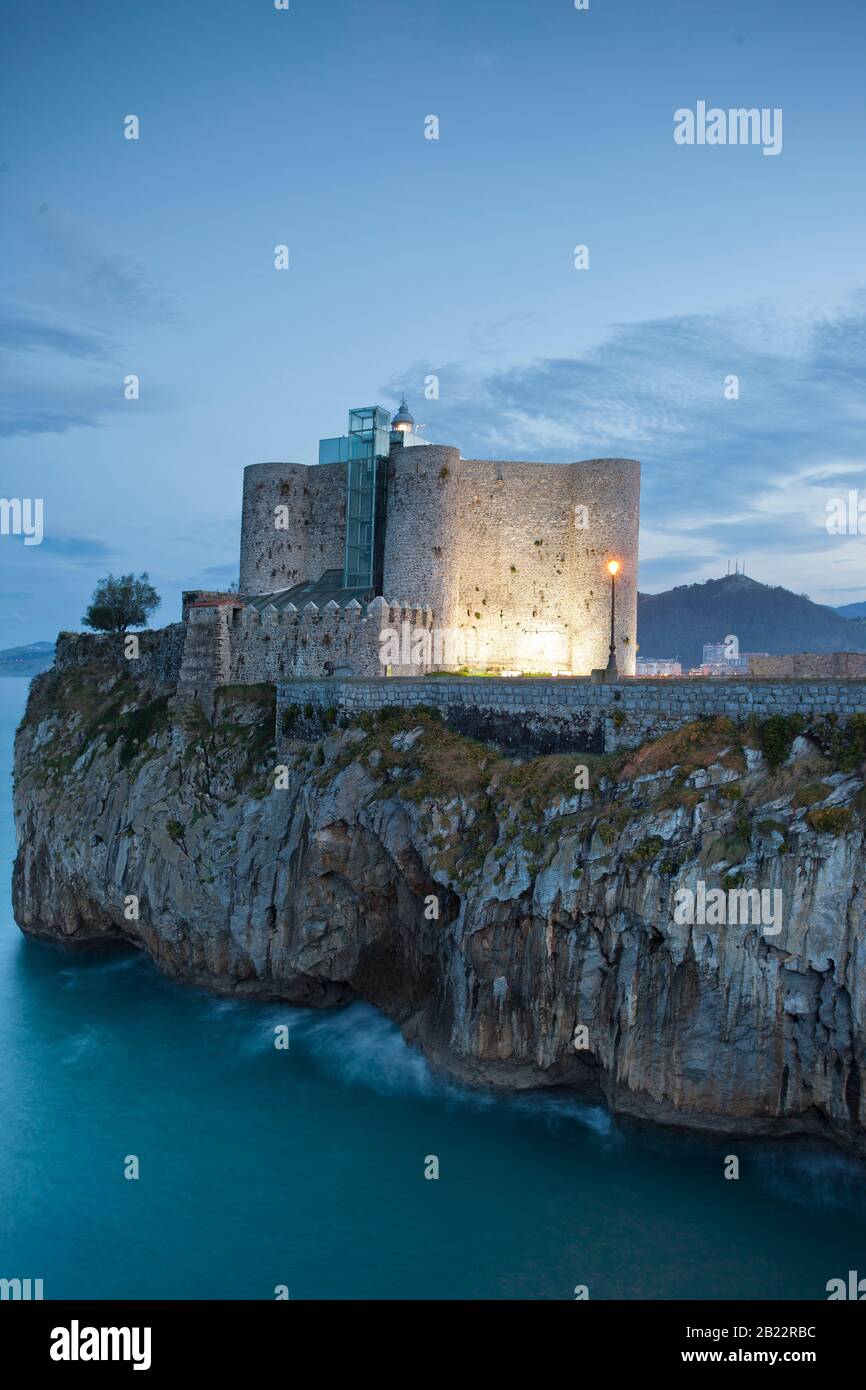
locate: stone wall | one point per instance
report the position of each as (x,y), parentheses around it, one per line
(158,663)
(543,716)
(313,538)
(206,652)
(533,545)
(810,666)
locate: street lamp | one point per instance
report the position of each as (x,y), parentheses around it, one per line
(611,672)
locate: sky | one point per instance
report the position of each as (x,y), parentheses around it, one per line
(412,257)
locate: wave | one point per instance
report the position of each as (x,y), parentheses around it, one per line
(358,1046)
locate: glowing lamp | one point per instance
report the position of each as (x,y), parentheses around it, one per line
(403,422)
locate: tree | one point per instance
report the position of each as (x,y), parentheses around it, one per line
(121,603)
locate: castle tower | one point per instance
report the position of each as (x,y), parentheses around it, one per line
(422,558)
(293,525)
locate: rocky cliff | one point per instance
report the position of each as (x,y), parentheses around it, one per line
(521,931)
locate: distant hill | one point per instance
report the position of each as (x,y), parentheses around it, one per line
(852,610)
(26,661)
(765,618)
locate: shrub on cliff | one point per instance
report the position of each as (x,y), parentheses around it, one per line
(121,603)
(777,735)
(833,820)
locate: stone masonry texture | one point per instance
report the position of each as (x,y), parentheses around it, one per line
(545,716)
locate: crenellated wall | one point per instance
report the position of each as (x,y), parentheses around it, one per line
(227,643)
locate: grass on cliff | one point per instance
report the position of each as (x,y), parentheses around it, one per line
(91,707)
(443,763)
(100,706)
(693,746)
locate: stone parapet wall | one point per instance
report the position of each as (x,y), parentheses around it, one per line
(158,662)
(542,716)
(810,666)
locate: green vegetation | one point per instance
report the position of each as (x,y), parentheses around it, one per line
(810,793)
(771,827)
(777,735)
(843,745)
(135,727)
(833,820)
(121,603)
(289,718)
(647,849)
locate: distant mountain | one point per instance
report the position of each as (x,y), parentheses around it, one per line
(765,618)
(852,610)
(26,661)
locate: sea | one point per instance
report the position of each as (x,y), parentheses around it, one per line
(155,1143)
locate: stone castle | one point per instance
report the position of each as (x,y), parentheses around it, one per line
(395,556)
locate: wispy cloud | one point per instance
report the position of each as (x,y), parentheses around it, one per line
(30,330)
(85,548)
(66,325)
(721,477)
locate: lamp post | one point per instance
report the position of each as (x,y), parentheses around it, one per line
(611,672)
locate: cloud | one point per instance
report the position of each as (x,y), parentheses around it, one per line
(74,307)
(719,477)
(84,274)
(41,420)
(76,547)
(33,330)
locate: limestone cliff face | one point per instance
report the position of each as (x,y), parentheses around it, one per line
(555,907)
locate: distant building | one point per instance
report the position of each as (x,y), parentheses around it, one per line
(725,659)
(663,666)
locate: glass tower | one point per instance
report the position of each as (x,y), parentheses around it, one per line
(364,450)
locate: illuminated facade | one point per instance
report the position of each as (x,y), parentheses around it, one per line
(504,563)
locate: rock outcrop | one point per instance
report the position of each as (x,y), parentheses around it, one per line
(521,927)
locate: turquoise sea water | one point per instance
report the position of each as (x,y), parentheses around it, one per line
(306,1168)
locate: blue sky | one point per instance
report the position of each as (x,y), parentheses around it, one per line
(411,256)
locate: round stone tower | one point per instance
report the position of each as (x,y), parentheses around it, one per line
(274,527)
(422,560)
